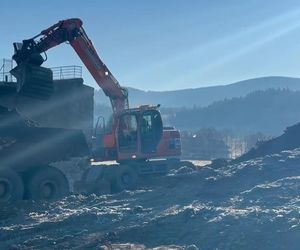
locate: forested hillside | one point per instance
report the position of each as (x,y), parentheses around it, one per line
(268,111)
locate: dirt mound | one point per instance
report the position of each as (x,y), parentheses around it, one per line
(249,205)
(289,140)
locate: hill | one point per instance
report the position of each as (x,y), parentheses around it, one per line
(205,95)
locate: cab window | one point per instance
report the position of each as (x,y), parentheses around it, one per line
(151,131)
(127,134)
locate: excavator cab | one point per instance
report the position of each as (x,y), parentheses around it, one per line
(139,132)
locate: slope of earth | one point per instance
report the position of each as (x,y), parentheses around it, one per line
(249,205)
(290,139)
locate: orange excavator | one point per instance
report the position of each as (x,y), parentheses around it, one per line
(136,139)
(136,134)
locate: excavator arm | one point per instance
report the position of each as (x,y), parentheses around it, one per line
(71,31)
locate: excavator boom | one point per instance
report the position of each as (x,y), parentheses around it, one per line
(71,31)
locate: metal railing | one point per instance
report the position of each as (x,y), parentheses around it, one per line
(5,67)
(59,73)
(67,72)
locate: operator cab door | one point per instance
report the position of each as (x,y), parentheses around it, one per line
(128,134)
(151,130)
(97,138)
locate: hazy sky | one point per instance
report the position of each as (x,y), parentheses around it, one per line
(169,44)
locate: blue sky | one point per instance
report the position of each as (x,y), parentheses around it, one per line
(170,44)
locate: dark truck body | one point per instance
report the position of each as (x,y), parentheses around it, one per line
(24,146)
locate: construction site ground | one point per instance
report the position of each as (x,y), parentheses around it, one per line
(248,205)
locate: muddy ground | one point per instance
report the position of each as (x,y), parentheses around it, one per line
(250,205)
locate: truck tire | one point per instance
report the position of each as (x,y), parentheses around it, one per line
(126,178)
(47,183)
(11,186)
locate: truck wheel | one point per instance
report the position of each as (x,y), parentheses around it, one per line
(11,186)
(126,178)
(47,183)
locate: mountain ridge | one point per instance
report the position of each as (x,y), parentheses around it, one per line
(203,96)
